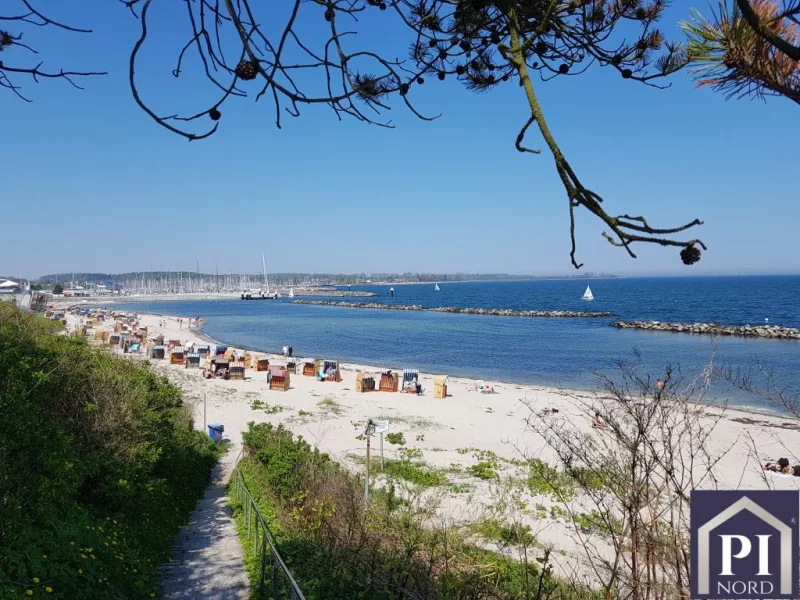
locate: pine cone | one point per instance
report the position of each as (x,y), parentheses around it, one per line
(690,254)
(734,58)
(247,69)
(214,114)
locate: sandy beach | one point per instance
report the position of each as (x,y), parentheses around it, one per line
(451,433)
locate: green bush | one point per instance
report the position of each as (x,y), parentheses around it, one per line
(283,455)
(99,467)
(417,473)
(484,469)
(397,438)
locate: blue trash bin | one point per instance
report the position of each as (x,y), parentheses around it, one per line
(215,432)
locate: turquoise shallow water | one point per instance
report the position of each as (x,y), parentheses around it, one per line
(553,352)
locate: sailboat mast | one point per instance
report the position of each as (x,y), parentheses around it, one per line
(264,265)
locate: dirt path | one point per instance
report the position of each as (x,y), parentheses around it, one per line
(208,560)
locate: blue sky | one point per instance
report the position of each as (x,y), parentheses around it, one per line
(90,183)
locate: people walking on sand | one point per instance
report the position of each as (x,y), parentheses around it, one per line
(291,351)
(285,350)
(659,385)
(597,422)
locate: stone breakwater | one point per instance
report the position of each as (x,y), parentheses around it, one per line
(497,312)
(331,293)
(768,331)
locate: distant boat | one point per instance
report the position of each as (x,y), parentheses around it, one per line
(263,293)
(291,292)
(587,295)
(436,288)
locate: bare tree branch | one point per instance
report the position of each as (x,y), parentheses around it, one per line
(10,42)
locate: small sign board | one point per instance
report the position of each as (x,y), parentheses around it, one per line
(381,426)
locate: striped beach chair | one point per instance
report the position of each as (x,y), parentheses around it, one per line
(411,381)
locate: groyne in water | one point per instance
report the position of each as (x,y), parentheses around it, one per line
(496,312)
(765,331)
(332,293)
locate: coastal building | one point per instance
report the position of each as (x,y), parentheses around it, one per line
(76,292)
(9,287)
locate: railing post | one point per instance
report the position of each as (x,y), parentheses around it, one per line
(248,512)
(275,589)
(255,538)
(263,564)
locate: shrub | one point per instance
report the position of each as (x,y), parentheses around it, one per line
(483,470)
(396,438)
(417,473)
(99,466)
(284,457)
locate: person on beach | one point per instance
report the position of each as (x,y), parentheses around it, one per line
(285,351)
(783,466)
(597,422)
(659,385)
(291,351)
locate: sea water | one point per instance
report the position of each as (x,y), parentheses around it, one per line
(568,353)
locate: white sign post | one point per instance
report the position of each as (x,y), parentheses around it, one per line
(368,432)
(381,427)
(372,428)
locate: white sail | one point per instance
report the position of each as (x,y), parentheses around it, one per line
(436,288)
(587,295)
(291,292)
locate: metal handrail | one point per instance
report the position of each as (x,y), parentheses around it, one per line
(255,522)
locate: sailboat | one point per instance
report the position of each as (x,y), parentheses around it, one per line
(263,293)
(436,288)
(291,292)
(587,295)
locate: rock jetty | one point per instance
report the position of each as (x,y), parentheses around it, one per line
(496,312)
(765,331)
(332,293)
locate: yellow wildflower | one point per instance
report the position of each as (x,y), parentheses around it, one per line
(29,592)
(48,589)
(80,571)
(93,557)
(44,556)
(35,580)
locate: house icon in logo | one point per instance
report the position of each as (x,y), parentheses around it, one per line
(745,544)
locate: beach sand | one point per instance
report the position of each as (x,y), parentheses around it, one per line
(449,432)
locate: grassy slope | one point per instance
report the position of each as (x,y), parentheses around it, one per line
(99,467)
